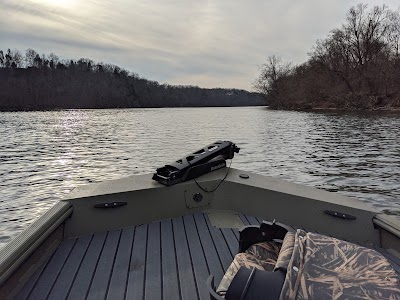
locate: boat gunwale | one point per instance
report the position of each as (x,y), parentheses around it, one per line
(20,248)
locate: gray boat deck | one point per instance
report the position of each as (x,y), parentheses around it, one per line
(169,259)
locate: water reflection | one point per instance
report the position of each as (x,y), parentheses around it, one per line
(44,155)
(358,155)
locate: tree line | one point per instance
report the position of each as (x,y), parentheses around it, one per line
(356,67)
(32,81)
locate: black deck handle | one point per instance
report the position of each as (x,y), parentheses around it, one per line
(340,215)
(110,204)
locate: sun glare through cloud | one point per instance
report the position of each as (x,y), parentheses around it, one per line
(57,3)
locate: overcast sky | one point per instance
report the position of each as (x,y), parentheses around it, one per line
(218,43)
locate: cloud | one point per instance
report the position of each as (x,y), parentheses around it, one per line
(210,42)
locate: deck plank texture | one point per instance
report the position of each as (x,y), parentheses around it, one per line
(119,275)
(168,259)
(170,280)
(84,275)
(47,279)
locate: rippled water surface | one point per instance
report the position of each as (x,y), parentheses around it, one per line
(43,155)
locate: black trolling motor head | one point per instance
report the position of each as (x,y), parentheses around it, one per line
(203,161)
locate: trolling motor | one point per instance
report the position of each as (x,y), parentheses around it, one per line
(203,161)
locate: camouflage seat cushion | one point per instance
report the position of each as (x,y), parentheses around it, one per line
(286,252)
(323,267)
(320,267)
(262,256)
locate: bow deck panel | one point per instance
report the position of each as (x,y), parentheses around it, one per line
(169,259)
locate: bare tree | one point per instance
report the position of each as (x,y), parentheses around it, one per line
(356,67)
(30,55)
(334,55)
(2,59)
(394,33)
(54,60)
(17,58)
(268,83)
(367,31)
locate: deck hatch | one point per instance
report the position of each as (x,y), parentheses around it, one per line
(225,219)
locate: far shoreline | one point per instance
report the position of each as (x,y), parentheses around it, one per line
(103,108)
(393,110)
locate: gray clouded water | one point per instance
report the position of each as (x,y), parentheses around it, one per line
(44,155)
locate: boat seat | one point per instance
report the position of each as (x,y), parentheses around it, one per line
(318,267)
(262,256)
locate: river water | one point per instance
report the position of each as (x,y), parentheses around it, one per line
(44,155)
